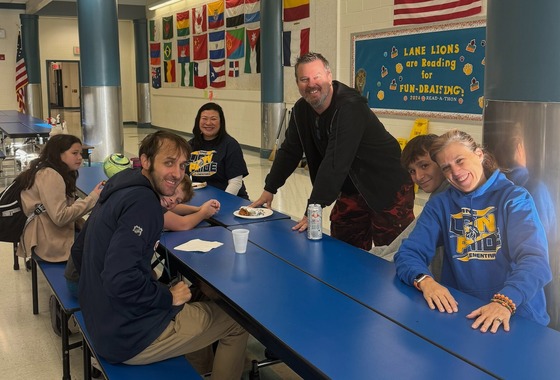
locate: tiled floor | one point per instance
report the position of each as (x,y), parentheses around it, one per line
(29,349)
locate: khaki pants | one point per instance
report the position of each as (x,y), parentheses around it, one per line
(192,333)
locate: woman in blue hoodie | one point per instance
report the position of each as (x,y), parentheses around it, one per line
(495,245)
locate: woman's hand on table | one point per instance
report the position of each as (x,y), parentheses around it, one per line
(490,316)
(438,296)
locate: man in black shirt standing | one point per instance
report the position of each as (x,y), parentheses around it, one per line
(352,160)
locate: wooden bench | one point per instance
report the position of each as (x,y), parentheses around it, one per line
(54,274)
(177,367)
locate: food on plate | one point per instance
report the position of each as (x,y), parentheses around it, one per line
(243,211)
(249,211)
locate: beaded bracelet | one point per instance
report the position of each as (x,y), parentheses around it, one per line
(504,301)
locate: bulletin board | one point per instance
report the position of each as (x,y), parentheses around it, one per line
(435,71)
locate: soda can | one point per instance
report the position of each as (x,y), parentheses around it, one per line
(314,222)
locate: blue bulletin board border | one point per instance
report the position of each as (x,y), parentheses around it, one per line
(430,71)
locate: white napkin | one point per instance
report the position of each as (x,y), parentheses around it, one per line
(197,245)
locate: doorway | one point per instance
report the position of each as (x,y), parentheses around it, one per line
(64,93)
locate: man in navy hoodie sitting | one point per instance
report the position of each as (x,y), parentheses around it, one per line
(132,318)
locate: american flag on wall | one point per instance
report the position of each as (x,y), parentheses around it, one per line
(21,76)
(408,12)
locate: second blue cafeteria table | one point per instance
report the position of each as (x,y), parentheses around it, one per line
(528,351)
(316,330)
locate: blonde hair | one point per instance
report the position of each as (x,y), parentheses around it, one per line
(457,136)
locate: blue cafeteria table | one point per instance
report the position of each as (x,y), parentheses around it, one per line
(316,330)
(21,130)
(528,351)
(15,124)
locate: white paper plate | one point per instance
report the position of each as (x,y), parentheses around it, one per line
(199,185)
(262,213)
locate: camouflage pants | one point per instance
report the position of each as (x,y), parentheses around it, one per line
(354,222)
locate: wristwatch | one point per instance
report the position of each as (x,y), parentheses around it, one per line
(418,279)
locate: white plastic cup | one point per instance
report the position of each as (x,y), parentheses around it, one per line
(240,238)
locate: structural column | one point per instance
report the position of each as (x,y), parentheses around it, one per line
(272,74)
(101,81)
(522,110)
(30,42)
(142,73)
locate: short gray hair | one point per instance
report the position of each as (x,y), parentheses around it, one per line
(310,57)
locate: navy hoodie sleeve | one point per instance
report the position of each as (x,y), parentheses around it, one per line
(126,276)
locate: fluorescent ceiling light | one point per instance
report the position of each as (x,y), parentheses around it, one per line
(162,3)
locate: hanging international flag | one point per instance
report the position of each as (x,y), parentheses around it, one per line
(200,47)
(408,12)
(295,44)
(169,67)
(167,27)
(233,69)
(186,75)
(155,54)
(183,24)
(200,74)
(252,11)
(156,77)
(21,75)
(234,13)
(216,44)
(234,43)
(167,51)
(183,50)
(253,51)
(216,14)
(218,73)
(295,10)
(199,19)
(153,31)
